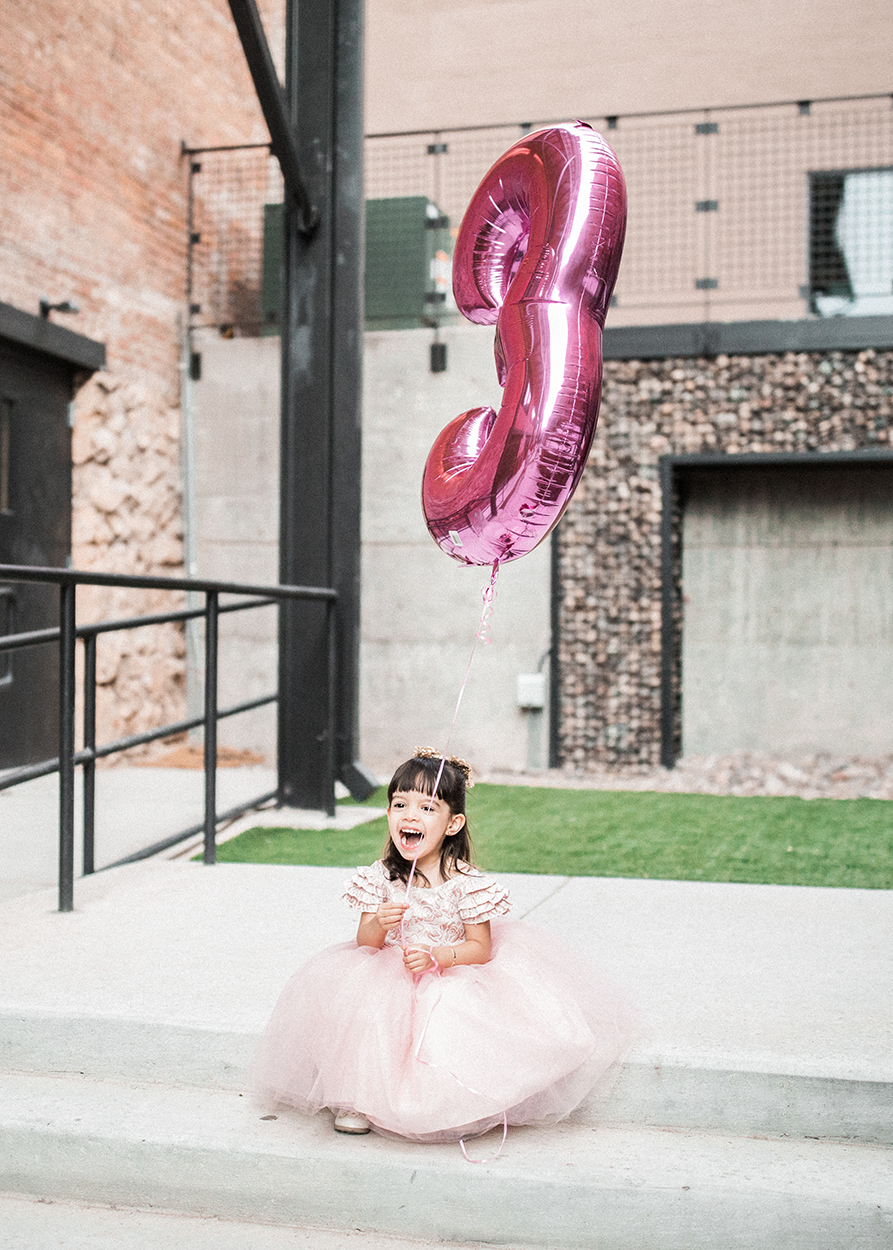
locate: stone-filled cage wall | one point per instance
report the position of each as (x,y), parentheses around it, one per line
(609,593)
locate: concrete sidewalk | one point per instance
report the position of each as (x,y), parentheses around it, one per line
(135,808)
(738,978)
(756,1109)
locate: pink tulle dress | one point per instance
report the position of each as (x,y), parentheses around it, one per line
(435,1058)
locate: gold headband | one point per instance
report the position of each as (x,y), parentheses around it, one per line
(429,753)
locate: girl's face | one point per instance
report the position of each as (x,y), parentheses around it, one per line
(418,824)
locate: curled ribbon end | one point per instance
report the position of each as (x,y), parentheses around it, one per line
(489,594)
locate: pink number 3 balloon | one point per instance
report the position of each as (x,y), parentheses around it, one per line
(537,255)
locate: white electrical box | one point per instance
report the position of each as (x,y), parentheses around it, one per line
(532,691)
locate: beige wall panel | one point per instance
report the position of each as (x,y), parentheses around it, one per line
(788,618)
(420,609)
(470,62)
(237,518)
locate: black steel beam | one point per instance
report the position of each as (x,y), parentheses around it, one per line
(272,100)
(747,338)
(321,364)
(668,745)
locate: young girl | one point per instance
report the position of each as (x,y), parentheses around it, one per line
(442,1018)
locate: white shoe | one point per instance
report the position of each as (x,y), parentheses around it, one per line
(351,1122)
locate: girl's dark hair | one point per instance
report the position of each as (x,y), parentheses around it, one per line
(457,851)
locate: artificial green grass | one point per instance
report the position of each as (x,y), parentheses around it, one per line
(611,833)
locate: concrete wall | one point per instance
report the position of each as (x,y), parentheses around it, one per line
(420,609)
(236,417)
(787,639)
(450,63)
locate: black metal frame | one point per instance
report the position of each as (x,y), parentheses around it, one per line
(274,105)
(747,338)
(66,635)
(321,388)
(316,132)
(672,470)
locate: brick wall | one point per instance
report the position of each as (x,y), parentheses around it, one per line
(95,99)
(609,540)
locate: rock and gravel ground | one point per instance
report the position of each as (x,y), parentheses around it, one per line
(821,776)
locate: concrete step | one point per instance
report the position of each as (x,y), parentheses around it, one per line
(766,1008)
(40,1223)
(657,1093)
(209,1153)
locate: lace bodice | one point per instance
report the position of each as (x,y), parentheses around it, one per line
(436,917)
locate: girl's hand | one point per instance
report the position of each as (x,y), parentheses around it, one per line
(416,961)
(389,915)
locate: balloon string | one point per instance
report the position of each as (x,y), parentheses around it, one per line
(482,635)
(477,1093)
(483,632)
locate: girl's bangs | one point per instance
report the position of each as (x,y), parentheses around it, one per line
(416,775)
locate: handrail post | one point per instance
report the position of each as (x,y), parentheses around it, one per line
(89,769)
(66,744)
(211,622)
(327,643)
(331,623)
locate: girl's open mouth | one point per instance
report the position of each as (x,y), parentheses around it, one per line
(410,839)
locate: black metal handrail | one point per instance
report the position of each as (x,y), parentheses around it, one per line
(66,635)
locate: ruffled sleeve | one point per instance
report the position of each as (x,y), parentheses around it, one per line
(366,889)
(483,899)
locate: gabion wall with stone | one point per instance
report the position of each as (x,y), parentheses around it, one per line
(127,518)
(609,540)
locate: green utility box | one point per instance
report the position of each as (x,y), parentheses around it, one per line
(408,263)
(408,280)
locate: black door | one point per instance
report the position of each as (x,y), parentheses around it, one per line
(35,528)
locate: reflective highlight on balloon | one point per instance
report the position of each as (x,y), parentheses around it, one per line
(537,256)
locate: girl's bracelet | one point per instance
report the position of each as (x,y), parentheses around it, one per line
(429,950)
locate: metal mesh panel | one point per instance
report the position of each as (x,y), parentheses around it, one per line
(665,171)
(775,211)
(228,190)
